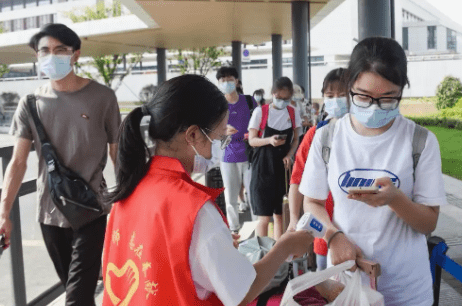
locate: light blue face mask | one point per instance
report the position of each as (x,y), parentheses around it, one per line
(373,116)
(336,107)
(227,87)
(280,103)
(56,67)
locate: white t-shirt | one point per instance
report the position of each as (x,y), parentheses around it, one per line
(277,119)
(382,236)
(216,265)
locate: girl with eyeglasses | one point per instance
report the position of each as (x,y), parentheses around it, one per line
(372,147)
(167,241)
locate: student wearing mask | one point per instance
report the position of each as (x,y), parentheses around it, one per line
(334,93)
(166,240)
(81,119)
(235,168)
(259,97)
(372,146)
(297,102)
(316,114)
(273,155)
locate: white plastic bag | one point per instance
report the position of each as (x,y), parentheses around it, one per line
(354,294)
(308,280)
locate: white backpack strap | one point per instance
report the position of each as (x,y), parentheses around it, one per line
(327,134)
(418,144)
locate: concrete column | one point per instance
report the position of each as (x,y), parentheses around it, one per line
(300,19)
(161,66)
(374,18)
(236,54)
(276,39)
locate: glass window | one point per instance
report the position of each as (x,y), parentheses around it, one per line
(31,23)
(18,24)
(18,4)
(31,3)
(406,38)
(452,39)
(431,37)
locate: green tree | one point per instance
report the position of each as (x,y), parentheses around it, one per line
(3,69)
(448,92)
(107,69)
(105,65)
(199,61)
(95,12)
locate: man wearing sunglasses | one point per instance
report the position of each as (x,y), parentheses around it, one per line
(81,119)
(235,167)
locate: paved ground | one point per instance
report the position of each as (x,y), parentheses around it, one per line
(40,273)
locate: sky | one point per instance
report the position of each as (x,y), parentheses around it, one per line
(451,8)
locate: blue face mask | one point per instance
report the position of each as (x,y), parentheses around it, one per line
(336,107)
(56,67)
(227,87)
(373,117)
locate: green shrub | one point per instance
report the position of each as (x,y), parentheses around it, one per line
(458,104)
(448,92)
(455,113)
(451,123)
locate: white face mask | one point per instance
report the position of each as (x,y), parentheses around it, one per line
(56,67)
(227,87)
(280,103)
(336,107)
(298,97)
(201,163)
(373,117)
(258,98)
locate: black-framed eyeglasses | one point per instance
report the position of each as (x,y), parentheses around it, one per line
(364,101)
(224,139)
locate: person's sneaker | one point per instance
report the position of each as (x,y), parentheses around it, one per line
(243,207)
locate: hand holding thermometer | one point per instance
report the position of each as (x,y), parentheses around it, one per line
(309,223)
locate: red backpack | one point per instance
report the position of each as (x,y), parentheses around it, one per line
(264,118)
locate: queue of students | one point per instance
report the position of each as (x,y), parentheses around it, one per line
(167,242)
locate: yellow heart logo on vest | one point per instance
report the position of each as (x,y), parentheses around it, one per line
(130,272)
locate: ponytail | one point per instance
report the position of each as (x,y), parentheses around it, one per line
(132,157)
(178,104)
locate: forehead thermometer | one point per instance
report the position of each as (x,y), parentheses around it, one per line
(309,223)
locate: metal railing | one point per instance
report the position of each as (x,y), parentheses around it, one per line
(17,257)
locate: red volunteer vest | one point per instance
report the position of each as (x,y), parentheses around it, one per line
(146,250)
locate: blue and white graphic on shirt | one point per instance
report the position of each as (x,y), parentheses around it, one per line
(378,231)
(364,178)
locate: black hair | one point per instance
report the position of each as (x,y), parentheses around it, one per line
(283,82)
(336,75)
(239,88)
(303,89)
(57,31)
(260,92)
(178,104)
(381,55)
(226,72)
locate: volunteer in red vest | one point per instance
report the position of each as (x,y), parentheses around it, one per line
(167,242)
(273,132)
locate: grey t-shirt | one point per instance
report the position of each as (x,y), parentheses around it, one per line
(79,125)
